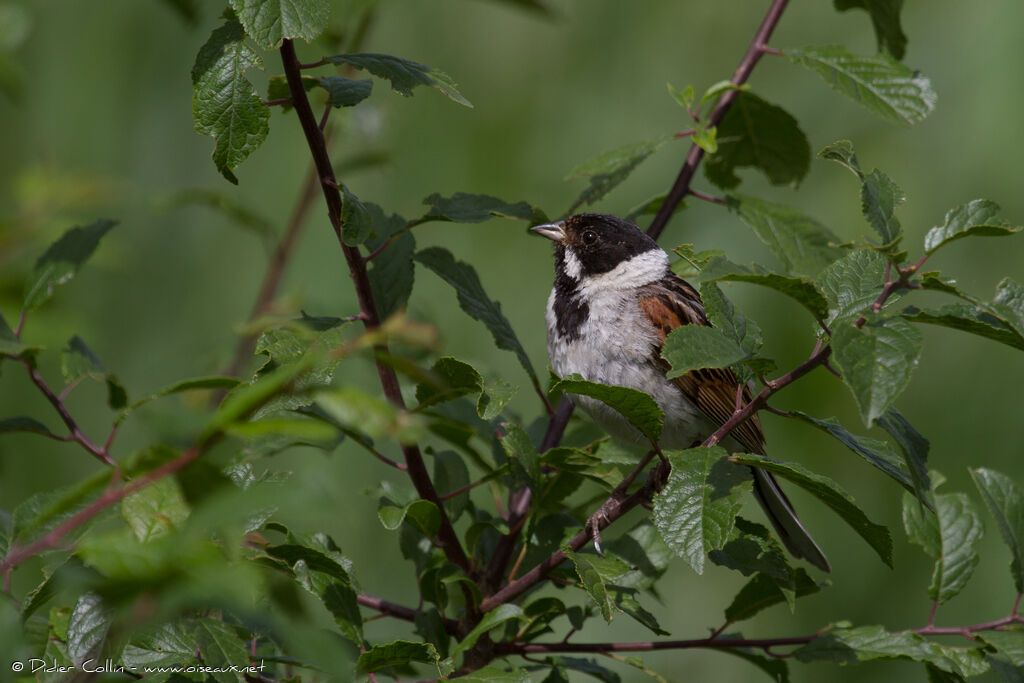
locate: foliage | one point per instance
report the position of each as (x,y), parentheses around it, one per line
(176,555)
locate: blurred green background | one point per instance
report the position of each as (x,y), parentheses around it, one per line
(102,127)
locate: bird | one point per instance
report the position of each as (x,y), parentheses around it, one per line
(614,301)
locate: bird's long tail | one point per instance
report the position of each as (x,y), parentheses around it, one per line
(783,517)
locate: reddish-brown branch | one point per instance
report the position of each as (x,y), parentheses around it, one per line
(400,611)
(74,432)
(647,646)
(754,53)
(417,469)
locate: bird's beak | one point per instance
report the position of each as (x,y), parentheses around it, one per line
(553,231)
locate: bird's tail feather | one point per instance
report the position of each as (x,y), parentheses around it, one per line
(783,517)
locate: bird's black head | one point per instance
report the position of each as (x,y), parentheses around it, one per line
(595,243)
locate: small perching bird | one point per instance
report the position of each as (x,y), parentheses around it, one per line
(614,301)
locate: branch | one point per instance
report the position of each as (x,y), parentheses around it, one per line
(754,53)
(75,433)
(617,505)
(400,611)
(417,469)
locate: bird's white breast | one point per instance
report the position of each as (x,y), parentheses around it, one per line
(616,345)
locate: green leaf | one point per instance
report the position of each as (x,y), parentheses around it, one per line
(593,583)
(706,137)
(830,493)
(403,74)
(879,197)
(370,415)
(650,207)
(753,550)
(396,653)
(392,271)
(866,643)
(1009,643)
(803,291)
(608,169)
(522,456)
(948,535)
(22,423)
(170,645)
(878,83)
(977,320)
(724,316)
(451,474)
(78,362)
(876,361)
(1009,303)
(156,510)
(493,674)
(762,135)
(879,453)
(803,245)
(693,347)
(246,399)
(475,302)
(474,208)
(976,217)
(697,509)
(9,342)
(60,262)
(885,18)
(338,596)
(853,283)
(346,92)
(777,669)
(195,384)
(639,408)
(357,221)
(1005,501)
(764,591)
(685,97)
(422,515)
(915,448)
(492,619)
(225,105)
(841,152)
(625,600)
(269,22)
(453,378)
(87,629)
(220,648)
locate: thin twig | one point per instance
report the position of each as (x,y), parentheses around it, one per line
(693,158)
(705,196)
(399,611)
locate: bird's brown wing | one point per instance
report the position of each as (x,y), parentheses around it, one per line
(672,302)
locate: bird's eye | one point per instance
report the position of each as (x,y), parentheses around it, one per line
(589,237)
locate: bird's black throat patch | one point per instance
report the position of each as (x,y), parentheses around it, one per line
(570,310)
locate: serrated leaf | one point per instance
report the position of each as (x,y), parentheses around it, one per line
(170,645)
(278,89)
(885,18)
(396,653)
(1009,303)
(879,197)
(878,83)
(608,169)
(696,511)
(475,302)
(451,474)
(803,291)
(639,408)
(370,415)
(830,493)
(522,455)
(777,669)
(724,316)
(948,535)
(1007,642)
(9,342)
(976,217)
(474,208)
(967,318)
(803,245)
(156,510)
(422,515)
(457,378)
(225,105)
(866,643)
(764,591)
(403,74)
(493,674)
(220,648)
(876,361)
(761,135)
(841,152)
(338,596)
(915,448)
(492,619)
(246,399)
(87,629)
(879,453)
(853,283)
(693,347)
(269,22)
(78,362)
(1005,501)
(346,92)
(685,97)
(61,261)
(753,550)
(356,219)
(593,583)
